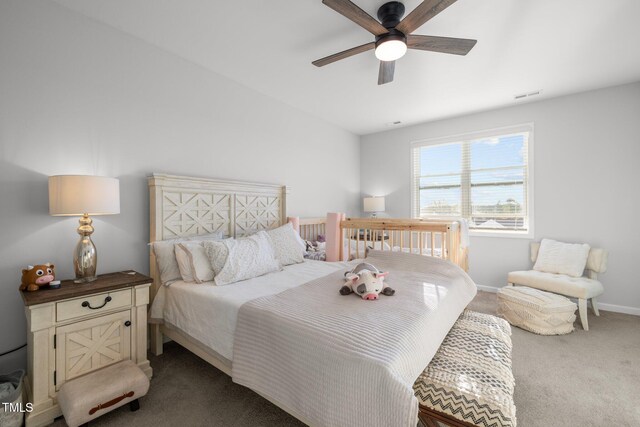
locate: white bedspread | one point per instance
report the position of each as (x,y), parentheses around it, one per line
(334,360)
(208,312)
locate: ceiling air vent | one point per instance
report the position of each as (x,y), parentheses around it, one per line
(527,95)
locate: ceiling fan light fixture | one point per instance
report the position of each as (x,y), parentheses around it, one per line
(391,47)
(394,34)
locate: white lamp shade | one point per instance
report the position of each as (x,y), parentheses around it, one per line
(374,204)
(80,194)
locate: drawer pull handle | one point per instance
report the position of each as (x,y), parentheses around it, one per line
(88,304)
(127,323)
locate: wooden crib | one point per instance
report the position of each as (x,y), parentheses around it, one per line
(311,228)
(439,238)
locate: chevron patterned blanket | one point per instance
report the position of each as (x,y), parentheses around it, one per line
(470,378)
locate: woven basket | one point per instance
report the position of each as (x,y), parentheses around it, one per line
(11,392)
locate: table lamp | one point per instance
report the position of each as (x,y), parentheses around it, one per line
(374,205)
(84,195)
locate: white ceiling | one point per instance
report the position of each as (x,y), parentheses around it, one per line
(559,46)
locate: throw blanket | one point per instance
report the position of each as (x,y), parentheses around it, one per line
(334,360)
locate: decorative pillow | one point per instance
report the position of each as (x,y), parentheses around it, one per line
(562,258)
(246,258)
(193,262)
(217,253)
(166,256)
(288,246)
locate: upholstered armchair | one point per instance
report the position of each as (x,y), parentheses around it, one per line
(583,288)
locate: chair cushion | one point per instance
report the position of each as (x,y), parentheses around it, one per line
(536,311)
(470,377)
(576,287)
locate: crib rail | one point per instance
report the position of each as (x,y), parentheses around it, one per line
(438,238)
(311,228)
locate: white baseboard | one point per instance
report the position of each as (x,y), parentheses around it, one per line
(602,306)
(491,289)
(619,309)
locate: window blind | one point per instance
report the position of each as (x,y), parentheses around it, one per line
(483,178)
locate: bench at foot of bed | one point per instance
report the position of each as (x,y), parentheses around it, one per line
(469,382)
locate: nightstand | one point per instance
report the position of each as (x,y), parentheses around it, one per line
(79,328)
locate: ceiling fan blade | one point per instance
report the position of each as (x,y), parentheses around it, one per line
(385,75)
(421,14)
(357,15)
(441,44)
(344,54)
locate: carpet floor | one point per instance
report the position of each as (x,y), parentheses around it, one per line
(581,379)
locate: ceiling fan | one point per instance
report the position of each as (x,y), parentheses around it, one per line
(393,36)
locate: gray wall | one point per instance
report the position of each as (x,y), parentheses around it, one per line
(80,97)
(586,154)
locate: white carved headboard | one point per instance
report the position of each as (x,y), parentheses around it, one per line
(184,206)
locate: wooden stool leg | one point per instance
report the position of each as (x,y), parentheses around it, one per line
(134,405)
(427,421)
(432,418)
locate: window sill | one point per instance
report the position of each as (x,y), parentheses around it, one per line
(503,234)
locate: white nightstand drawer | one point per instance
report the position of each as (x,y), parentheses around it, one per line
(92,304)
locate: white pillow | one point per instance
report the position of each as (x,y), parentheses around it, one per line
(217,254)
(288,246)
(562,258)
(166,256)
(193,262)
(246,258)
(184,261)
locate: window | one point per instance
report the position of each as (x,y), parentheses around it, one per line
(482,177)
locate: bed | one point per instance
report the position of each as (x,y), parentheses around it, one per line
(215,308)
(265,332)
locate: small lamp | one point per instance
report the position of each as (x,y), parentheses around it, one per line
(373,205)
(84,195)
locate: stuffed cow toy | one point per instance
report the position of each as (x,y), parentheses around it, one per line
(366,281)
(35,276)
